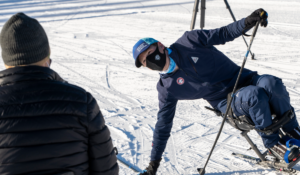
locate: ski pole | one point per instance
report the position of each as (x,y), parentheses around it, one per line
(202,18)
(128,166)
(232,15)
(202,170)
(125,163)
(196,4)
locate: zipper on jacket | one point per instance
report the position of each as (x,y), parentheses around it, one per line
(184,71)
(189,75)
(193,66)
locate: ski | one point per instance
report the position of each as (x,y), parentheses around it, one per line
(276,165)
(245,156)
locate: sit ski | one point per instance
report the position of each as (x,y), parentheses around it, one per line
(283,156)
(268,159)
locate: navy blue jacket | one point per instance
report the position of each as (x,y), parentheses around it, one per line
(204,72)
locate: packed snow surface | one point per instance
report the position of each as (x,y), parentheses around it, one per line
(91,46)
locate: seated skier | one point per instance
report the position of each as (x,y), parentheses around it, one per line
(192,68)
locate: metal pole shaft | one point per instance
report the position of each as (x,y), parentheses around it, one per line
(230,11)
(253,146)
(202,170)
(128,166)
(232,15)
(202,20)
(194,16)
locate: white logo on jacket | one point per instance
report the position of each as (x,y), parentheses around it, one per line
(195,59)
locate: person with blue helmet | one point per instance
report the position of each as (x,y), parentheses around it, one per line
(192,68)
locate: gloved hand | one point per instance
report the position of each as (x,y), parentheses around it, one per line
(251,20)
(152,168)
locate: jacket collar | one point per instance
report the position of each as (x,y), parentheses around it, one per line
(172,53)
(27,73)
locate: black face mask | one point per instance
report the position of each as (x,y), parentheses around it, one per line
(156,60)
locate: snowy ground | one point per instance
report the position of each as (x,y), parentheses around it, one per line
(91,43)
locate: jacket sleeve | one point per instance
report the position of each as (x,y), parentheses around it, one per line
(102,157)
(166,113)
(205,38)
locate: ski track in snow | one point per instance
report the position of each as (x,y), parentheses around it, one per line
(91,44)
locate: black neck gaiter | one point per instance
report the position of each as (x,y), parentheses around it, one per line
(156,60)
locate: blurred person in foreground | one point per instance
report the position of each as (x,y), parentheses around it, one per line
(192,68)
(47,126)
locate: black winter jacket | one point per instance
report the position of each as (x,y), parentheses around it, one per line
(49,126)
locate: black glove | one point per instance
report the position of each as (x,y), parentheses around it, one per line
(257,16)
(152,168)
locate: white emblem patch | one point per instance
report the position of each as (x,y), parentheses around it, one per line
(157,57)
(195,59)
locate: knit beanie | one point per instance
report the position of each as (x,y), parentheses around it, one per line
(23,41)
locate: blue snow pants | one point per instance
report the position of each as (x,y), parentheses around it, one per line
(266,93)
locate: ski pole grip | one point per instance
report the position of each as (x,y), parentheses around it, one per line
(255,28)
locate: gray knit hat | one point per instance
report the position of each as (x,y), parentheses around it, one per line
(23,41)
